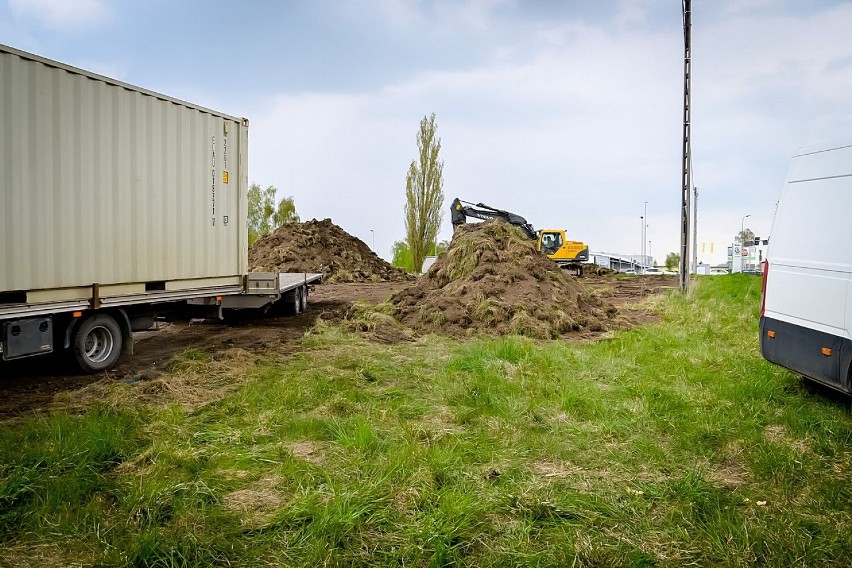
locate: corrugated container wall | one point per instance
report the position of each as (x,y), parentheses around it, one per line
(101,182)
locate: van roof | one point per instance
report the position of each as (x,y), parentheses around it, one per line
(823,147)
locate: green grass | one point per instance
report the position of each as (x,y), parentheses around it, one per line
(668,445)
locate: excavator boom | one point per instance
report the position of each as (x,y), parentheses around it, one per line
(567,254)
(460,213)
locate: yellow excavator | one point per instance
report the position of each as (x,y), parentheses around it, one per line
(568,254)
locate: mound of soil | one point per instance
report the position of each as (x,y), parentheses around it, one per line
(321,245)
(595,270)
(492,280)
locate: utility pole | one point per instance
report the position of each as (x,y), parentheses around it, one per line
(695,231)
(645,236)
(686,171)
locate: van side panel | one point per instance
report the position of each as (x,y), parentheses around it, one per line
(810,262)
(800,349)
(810,249)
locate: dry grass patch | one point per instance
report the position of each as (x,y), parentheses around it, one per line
(729,473)
(552,470)
(45,555)
(257,504)
(777,434)
(309,451)
(193,381)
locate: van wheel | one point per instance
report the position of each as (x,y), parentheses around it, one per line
(97,343)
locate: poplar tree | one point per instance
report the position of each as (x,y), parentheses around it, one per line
(424,193)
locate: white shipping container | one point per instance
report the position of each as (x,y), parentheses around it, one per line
(105,183)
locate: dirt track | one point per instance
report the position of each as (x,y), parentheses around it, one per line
(27,385)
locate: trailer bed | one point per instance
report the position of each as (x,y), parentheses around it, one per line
(257,284)
(289,280)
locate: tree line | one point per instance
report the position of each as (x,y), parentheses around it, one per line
(264,216)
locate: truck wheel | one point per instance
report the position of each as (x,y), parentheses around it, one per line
(97,343)
(304,294)
(294,304)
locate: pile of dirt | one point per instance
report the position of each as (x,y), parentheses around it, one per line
(315,245)
(595,270)
(492,280)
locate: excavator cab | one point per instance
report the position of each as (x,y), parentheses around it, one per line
(567,254)
(550,242)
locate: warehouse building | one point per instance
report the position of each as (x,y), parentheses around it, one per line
(619,262)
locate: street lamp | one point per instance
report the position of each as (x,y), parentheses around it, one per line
(641,238)
(742,228)
(651,254)
(374,239)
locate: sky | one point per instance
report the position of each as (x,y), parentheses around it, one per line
(568,113)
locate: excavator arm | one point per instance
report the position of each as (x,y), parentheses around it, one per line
(461,210)
(569,255)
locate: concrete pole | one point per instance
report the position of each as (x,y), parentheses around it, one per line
(695,232)
(686,170)
(645,234)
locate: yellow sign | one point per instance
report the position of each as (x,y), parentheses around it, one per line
(224,177)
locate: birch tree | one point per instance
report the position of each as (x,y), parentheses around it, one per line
(263,216)
(286,213)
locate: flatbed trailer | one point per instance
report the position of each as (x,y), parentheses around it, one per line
(118,205)
(97,331)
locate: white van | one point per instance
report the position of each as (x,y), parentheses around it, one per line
(805,313)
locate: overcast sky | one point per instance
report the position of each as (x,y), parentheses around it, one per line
(566,112)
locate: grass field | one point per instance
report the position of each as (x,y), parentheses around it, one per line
(668,445)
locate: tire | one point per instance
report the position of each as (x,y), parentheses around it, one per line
(97,343)
(294,304)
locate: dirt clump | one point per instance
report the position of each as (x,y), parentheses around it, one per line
(492,280)
(321,245)
(595,270)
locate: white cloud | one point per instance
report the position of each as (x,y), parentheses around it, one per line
(63,15)
(632,12)
(436,15)
(736,7)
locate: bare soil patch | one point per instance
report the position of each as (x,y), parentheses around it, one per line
(621,290)
(307,247)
